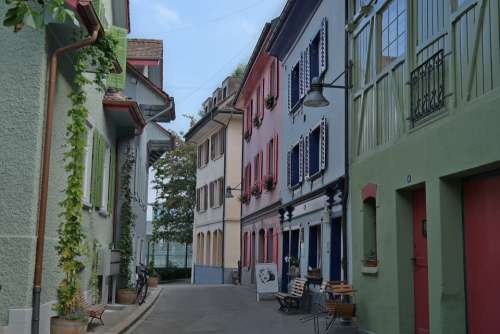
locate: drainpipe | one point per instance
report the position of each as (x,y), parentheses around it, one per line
(223,204)
(346,146)
(47,143)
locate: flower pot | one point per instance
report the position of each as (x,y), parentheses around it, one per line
(153,282)
(126,296)
(63,326)
(371,263)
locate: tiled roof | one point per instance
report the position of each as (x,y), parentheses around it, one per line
(145,48)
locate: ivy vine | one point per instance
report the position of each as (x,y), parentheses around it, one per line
(127,220)
(100,56)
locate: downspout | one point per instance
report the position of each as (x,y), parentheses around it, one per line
(47,143)
(223,204)
(346,146)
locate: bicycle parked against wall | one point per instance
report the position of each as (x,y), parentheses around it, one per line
(141,284)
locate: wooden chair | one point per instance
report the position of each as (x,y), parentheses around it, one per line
(338,309)
(93,311)
(294,298)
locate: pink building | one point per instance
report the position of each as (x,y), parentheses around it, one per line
(259,99)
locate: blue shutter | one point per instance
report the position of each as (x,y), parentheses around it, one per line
(289,92)
(324,143)
(289,168)
(302,75)
(301,159)
(323,63)
(307,69)
(306,155)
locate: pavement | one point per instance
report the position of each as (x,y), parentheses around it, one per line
(120,318)
(221,309)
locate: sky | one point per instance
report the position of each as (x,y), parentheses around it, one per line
(203,40)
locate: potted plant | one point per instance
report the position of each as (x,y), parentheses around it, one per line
(154,278)
(371,259)
(255,190)
(244,198)
(314,272)
(257,121)
(269,182)
(247,135)
(126,293)
(294,265)
(270,102)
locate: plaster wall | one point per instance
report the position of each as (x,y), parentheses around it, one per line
(437,155)
(233,168)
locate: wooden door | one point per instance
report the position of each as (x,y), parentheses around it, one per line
(420,270)
(482,253)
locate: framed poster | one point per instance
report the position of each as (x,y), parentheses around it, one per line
(266,275)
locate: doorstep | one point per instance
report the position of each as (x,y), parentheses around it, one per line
(119,318)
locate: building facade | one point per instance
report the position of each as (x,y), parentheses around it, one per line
(260,101)
(216,232)
(424,165)
(312,153)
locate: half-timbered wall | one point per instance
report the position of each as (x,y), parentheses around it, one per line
(468,32)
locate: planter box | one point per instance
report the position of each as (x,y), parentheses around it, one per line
(63,326)
(126,296)
(153,282)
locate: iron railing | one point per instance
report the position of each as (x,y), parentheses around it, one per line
(427,88)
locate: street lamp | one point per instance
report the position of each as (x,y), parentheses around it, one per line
(315,97)
(229,191)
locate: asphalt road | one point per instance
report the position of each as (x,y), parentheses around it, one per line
(228,309)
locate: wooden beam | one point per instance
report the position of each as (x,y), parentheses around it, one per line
(477,40)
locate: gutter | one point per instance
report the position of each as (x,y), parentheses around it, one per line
(88,15)
(345,194)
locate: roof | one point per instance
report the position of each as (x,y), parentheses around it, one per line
(139,48)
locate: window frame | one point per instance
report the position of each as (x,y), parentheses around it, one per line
(295,106)
(297,185)
(380,66)
(106,180)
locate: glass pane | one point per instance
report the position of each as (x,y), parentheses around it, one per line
(393,33)
(393,50)
(385,19)
(401,6)
(392,11)
(385,36)
(401,23)
(401,44)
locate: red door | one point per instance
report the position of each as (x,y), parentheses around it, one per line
(482,253)
(420,272)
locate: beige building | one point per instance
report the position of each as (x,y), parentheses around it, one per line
(216,233)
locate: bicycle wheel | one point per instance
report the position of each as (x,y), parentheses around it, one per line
(142,292)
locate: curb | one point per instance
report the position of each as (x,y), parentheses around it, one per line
(135,316)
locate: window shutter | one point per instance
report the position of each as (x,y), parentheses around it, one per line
(95,154)
(211,194)
(221,191)
(212,147)
(306,155)
(307,69)
(289,92)
(268,157)
(261,169)
(277,84)
(222,140)
(120,34)
(289,168)
(250,124)
(112,175)
(276,159)
(207,148)
(324,144)
(263,98)
(198,199)
(323,59)
(301,76)
(301,159)
(205,195)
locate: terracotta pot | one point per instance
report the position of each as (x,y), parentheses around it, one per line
(126,296)
(371,263)
(153,282)
(63,326)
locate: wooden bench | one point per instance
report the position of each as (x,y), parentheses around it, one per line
(94,311)
(294,297)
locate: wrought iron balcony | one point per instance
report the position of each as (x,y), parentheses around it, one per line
(427,88)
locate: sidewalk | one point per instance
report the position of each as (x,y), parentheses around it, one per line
(118,318)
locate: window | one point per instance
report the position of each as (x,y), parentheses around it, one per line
(203,153)
(215,101)
(217,144)
(295,156)
(272,160)
(315,155)
(247,182)
(87,177)
(202,198)
(358,4)
(273,79)
(370,229)
(259,110)
(217,193)
(270,246)
(314,51)
(393,30)
(249,120)
(295,86)
(258,173)
(224,93)
(315,246)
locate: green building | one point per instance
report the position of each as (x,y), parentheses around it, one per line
(424,159)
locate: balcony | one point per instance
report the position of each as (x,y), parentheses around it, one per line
(427,88)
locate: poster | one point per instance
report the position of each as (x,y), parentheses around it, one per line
(266,275)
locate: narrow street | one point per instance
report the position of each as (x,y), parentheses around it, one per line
(219,309)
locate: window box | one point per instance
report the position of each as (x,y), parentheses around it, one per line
(247,135)
(257,121)
(244,198)
(269,182)
(256,190)
(270,102)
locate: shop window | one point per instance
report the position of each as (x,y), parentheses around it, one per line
(315,246)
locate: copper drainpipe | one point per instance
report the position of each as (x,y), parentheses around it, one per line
(47,143)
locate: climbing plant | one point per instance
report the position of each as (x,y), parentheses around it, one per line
(100,56)
(127,221)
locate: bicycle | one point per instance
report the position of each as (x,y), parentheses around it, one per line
(141,285)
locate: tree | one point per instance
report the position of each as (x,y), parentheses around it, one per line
(175,183)
(239,71)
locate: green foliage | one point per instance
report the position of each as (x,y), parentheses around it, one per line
(239,71)
(127,220)
(36,14)
(175,182)
(93,280)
